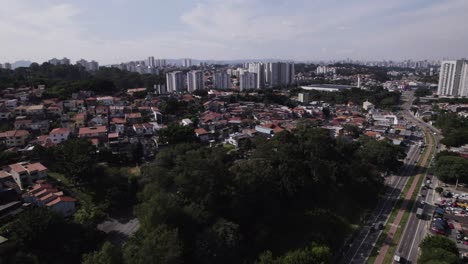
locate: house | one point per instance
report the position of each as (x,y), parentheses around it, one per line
(80,119)
(236,138)
(133,118)
(143,129)
(5,113)
(202,134)
(45,195)
(92,132)
(14,138)
(54,110)
(24,173)
(135,90)
(59,135)
(105,100)
(186,122)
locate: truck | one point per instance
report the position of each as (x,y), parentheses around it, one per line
(419,212)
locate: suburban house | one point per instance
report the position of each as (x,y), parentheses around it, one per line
(58,135)
(14,138)
(92,132)
(25,173)
(43,194)
(202,134)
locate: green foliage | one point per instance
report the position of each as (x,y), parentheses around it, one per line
(41,235)
(380,97)
(454,129)
(449,168)
(159,246)
(63,80)
(438,249)
(76,158)
(109,254)
(421,92)
(287,192)
(439,189)
(311,255)
(89,214)
(176,133)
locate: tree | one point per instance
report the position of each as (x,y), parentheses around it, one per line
(109,254)
(382,154)
(422,91)
(159,246)
(76,158)
(219,243)
(438,249)
(175,134)
(451,168)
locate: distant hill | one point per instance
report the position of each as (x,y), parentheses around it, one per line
(21,63)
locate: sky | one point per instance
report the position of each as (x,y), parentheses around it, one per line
(301,30)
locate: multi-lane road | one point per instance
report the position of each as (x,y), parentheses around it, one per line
(417,228)
(363,244)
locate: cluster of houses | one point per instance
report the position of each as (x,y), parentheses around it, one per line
(24,184)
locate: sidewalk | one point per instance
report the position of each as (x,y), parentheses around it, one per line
(396,223)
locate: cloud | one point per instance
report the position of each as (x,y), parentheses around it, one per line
(228,29)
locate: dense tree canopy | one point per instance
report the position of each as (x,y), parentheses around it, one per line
(41,236)
(454,129)
(294,189)
(438,249)
(63,80)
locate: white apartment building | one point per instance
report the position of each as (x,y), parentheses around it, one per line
(248,80)
(222,80)
(259,69)
(449,78)
(174,82)
(195,80)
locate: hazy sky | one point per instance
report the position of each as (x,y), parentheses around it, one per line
(122,30)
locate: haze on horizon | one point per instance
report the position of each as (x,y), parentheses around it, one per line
(123,30)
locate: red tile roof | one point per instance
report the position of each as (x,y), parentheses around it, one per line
(14,133)
(61,199)
(201,131)
(60,130)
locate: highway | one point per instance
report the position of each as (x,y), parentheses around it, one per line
(364,242)
(416,229)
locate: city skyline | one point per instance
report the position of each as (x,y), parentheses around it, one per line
(234,29)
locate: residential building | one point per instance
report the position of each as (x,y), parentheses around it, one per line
(25,173)
(259,69)
(58,135)
(55,61)
(92,132)
(14,138)
(279,74)
(45,195)
(174,82)
(151,62)
(463,90)
(222,80)
(195,80)
(303,97)
(248,80)
(187,62)
(7,65)
(449,77)
(368,106)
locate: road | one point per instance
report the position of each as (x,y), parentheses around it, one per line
(364,242)
(416,229)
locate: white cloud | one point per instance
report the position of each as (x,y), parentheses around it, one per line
(223,29)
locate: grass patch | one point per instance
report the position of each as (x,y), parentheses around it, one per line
(68,186)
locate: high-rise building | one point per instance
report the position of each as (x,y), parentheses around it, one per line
(449,78)
(248,80)
(88,65)
(151,62)
(7,65)
(1,66)
(279,74)
(160,63)
(259,69)
(174,82)
(55,61)
(195,80)
(187,63)
(222,80)
(463,90)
